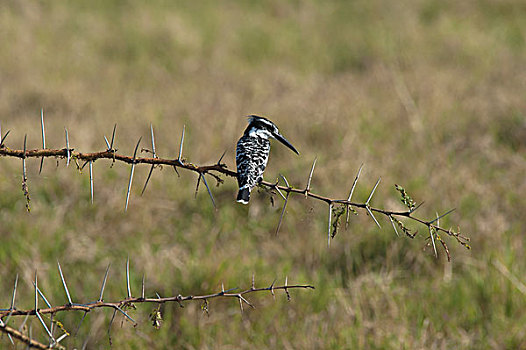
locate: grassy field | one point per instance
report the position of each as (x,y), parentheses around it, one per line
(427,94)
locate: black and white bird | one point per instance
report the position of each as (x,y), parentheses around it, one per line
(252,153)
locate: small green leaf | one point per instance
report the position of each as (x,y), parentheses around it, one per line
(406,199)
(156,317)
(337,213)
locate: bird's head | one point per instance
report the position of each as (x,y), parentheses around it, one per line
(262,127)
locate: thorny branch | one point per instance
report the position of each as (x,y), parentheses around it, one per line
(217,169)
(14,333)
(109,154)
(118,306)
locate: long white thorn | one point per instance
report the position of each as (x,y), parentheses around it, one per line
(131,175)
(181,146)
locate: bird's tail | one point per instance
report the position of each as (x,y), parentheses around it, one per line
(243,195)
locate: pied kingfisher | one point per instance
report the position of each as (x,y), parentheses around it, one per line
(252,153)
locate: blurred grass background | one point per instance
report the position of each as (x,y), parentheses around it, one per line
(429,94)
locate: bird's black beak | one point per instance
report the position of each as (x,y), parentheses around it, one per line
(284,141)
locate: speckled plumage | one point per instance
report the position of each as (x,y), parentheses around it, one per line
(252,153)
